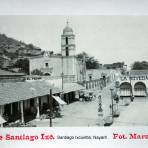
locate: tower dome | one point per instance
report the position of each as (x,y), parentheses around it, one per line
(67,30)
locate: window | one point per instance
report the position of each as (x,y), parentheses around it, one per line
(46,64)
(66,40)
(67,51)
(90,78)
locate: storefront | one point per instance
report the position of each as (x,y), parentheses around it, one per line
(25,101)
(135,84)
(71,92)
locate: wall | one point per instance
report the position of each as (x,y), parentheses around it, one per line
(54,65)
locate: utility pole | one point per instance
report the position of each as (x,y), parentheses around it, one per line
(112,103)
(51,108)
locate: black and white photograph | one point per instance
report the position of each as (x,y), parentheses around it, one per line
(74,73)
(71,71)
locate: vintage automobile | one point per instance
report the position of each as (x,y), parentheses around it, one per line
(86,95)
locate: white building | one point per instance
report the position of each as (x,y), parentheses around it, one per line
(136,84)
(66,64)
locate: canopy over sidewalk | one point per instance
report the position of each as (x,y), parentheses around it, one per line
(18,91)
(59,100)
(2,120)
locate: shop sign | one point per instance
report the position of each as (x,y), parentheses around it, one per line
(33,78)
(134,78)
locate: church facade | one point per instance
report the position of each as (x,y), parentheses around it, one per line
(65,65)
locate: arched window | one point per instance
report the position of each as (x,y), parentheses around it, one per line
(67,51)
(66,40)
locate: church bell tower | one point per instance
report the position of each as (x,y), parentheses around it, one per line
(68,51)
(68,41)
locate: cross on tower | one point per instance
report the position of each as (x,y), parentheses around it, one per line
(67,22)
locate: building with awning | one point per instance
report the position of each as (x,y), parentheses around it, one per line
(21,99)
(135,84)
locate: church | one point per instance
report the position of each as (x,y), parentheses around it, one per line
(65,65)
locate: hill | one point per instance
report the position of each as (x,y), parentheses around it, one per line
(13,48)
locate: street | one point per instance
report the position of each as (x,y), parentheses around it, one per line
(81,113)
(85,113)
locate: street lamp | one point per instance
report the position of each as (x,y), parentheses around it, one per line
(112,102)
(100,110)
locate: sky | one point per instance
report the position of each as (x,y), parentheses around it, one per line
(111,31)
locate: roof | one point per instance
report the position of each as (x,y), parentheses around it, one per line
(9,73)
(67,30)
(139,72)
(69,87)
(14,92)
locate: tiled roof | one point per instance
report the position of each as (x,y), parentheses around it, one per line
(139,72)
(13,92)
(8,73)
(69,87)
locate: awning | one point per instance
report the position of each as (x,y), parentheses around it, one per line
(69,87)
(15,92)
(2,120)
(59,100)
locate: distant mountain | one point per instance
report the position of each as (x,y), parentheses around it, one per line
(13,48)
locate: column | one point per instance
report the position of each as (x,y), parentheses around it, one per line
(11,108)
(38,108)
(18,106)
(0,110)
(22,112)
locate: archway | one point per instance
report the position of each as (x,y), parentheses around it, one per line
(140,89)
(125,89)
(47,74)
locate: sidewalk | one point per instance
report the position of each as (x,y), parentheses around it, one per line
(136,114)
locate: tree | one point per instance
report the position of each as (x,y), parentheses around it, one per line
(37,72)
(91,62)
(140,65)
(23,64)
